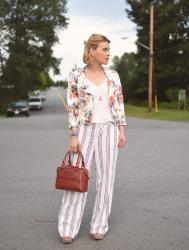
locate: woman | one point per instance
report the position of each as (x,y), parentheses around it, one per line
(97,127)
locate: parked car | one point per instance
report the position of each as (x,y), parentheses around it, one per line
(35,102)
(20,107)
(42,95)
(37,93)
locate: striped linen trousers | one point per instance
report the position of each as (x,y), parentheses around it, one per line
(99,140)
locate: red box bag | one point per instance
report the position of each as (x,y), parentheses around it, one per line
(71,177)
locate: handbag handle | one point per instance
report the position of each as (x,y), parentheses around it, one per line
(80,156)
(65,157)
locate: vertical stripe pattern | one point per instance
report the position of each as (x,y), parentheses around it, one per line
(99,140)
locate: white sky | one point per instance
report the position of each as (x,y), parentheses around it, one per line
(87,17)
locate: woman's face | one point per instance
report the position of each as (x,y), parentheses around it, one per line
(102,53)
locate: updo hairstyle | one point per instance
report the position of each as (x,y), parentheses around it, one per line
(92,43)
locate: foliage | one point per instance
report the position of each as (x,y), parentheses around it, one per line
(62,83)
(127,66)
(171,49)
(45,80)
(28,32)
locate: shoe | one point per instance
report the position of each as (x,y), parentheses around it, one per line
(97,236)
(67,239)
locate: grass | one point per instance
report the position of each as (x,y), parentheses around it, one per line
(162,114)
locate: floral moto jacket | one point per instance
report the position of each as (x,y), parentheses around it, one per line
(80,100)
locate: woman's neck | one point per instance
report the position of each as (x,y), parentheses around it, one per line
(95,67)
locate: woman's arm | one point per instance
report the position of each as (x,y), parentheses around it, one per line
(72,101)
(121,114)
(73,112)
(122,136)
(120,102)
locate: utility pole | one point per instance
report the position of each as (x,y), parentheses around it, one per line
(151,51)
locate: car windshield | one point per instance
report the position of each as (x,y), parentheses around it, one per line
(19,104)
(34,100)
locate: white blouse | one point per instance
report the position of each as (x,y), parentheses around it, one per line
(101,112)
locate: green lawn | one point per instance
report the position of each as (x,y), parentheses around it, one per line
(162,114)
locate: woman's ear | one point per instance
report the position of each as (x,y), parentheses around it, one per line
(91,52)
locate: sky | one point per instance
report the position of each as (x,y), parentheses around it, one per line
(106,17)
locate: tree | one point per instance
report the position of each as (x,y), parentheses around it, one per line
(127,66)
(28,33)
(171,42)
(62,83)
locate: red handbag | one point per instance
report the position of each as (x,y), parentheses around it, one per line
(71,177)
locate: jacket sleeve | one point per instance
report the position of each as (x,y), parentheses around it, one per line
(72,101)
(121,118)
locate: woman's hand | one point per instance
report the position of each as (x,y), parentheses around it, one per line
(122,137)
(74,144)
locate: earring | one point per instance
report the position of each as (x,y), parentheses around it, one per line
(91,57)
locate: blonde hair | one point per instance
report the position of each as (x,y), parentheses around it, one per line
(92,43)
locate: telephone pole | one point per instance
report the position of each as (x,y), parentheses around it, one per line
(151,51)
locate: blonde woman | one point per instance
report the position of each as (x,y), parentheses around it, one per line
(97,126)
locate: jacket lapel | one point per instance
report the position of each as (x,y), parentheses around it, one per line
(110,82)
(85,86)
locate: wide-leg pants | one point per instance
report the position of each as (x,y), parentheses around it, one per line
(99,140)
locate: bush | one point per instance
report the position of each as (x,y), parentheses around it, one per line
(3,107)
(168,105)
(172,94)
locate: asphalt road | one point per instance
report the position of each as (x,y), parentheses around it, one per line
(150,209)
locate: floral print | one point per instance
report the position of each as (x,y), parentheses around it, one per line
(111,100)
(80,100)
